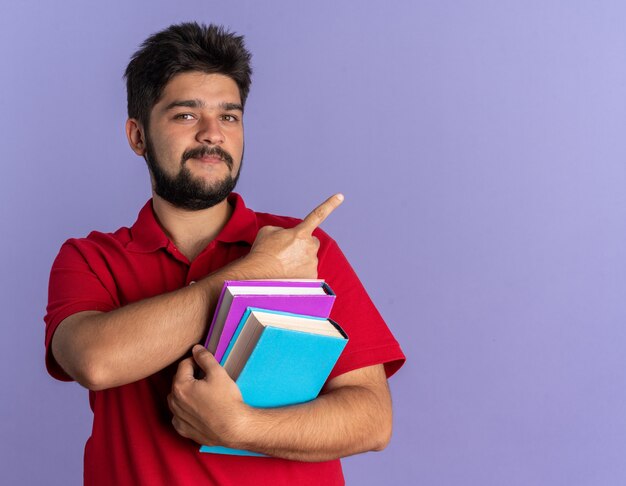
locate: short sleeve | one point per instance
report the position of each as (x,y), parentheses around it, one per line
(74,286)
(370,341)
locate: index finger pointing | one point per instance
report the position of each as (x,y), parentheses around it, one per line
(320,213)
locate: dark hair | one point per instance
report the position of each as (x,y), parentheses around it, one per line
(181,48)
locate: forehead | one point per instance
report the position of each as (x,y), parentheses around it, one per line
(212,89)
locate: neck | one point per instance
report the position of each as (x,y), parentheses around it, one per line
(191,231)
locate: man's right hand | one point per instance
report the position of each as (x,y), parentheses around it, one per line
(289,252)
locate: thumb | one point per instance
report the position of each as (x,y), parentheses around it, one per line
(205,360)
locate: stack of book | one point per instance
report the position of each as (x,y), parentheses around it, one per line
(275,340)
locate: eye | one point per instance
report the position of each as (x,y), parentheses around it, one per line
(229,118)
(184,116)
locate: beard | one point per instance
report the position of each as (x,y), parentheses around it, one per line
(183,190)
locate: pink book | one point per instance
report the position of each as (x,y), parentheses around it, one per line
(308,297)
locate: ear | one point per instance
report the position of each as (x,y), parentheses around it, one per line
(135,135)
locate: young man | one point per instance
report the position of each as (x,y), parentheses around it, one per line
(122,313)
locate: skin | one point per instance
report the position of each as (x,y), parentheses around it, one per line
(103,350)
(174,129)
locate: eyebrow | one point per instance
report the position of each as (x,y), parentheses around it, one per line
(197,103)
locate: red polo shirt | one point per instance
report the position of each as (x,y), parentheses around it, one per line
(133,441)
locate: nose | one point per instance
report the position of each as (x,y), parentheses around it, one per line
(210,132)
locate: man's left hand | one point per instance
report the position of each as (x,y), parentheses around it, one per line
(208,410)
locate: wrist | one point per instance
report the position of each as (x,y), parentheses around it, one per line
(253,266)
(211,287)
(242,428)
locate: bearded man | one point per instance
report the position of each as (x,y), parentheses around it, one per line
(123,317)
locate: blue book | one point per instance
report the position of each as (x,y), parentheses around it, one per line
(279,359)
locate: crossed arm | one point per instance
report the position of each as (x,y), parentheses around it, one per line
(104,350)
(351,415)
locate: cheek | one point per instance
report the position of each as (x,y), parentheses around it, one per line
(237,146)
(169,152)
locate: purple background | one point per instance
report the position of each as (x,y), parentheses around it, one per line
(480,146)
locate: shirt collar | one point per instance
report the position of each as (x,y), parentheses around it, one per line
(242,225)
(148,236)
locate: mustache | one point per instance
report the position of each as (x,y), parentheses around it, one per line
(205,151)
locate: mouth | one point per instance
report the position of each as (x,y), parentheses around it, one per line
(209,157)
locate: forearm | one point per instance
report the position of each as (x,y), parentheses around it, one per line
(103,350)
(345,421)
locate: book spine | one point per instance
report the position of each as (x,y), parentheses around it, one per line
(327,289)
(339,328)
(217,308)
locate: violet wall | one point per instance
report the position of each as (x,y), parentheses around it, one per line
(481,149)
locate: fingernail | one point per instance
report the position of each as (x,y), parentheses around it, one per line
(340,197)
